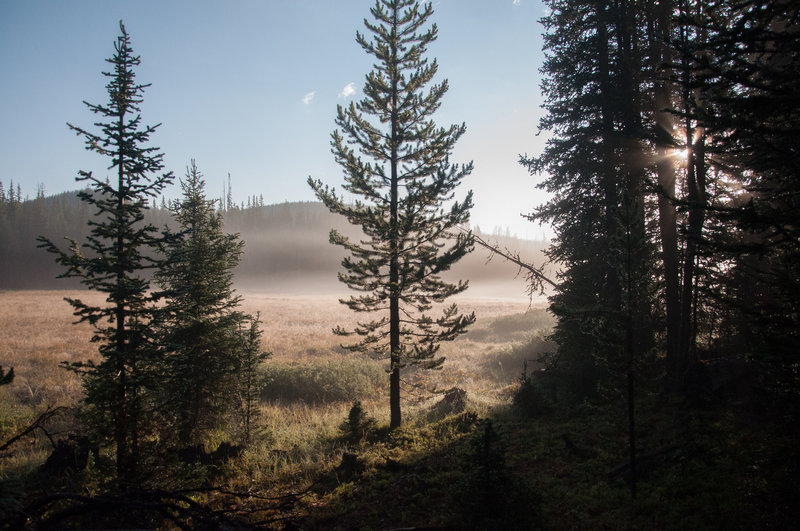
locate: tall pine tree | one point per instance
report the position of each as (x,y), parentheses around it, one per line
(595,158)
(585,179)
(406,186)
(114,261)
(740,64)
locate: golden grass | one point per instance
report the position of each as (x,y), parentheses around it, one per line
(37,334)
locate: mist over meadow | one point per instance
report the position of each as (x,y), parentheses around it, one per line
(287,249)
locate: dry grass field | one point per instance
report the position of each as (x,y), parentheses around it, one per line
(314,381)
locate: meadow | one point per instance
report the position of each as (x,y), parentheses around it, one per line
(310,385)
(38,332)
(471,462)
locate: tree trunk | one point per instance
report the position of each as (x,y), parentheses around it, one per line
(666,171)
(394,264)
(609,144)
(121,428)
(696,192)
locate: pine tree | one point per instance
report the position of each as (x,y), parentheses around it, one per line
(248,379)
(229,204)
(740,66)
(599,85)
(582,162)
(660,36)
(405,182)
(200,327)
(118,253)
(631,337)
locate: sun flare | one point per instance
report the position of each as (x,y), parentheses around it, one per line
(681,154)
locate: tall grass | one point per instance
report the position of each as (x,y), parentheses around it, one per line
(337,379)
(310,383)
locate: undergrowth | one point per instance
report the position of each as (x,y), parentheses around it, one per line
(322,380)
(464,459)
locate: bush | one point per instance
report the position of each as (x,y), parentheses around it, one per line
(333,380)
(530,399)
(490,496)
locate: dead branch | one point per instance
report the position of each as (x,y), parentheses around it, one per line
(37,424)
(141,506)
(534,276)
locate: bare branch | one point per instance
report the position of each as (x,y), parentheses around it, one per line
(534,276)
(37,424)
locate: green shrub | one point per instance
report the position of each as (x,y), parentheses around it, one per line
(489,495)
(333,380)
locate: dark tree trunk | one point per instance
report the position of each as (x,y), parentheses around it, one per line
(394,266)
(695,187)
(124,466)
(666,171)
(609,179)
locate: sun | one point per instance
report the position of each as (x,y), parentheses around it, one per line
(681,154)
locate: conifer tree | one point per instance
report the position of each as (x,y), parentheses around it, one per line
(200,328)
(248,379)
(740,64)
(405,184)
(584,176)
(113,261)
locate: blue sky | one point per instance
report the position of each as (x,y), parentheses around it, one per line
(250,88)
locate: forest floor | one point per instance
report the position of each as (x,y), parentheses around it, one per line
(465,458)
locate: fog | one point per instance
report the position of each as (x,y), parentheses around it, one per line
(287,251)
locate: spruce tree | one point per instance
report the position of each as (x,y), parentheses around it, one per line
(740,66)
(584,176)
(598,93)
(114,260)
(200,325)
(248,379)
(396,161)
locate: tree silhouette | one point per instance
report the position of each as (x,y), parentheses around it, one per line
(113,261)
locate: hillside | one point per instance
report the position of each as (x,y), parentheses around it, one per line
(286,248)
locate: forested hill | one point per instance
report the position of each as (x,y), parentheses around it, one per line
(286,247)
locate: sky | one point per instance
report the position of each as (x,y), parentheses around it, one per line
(250,88)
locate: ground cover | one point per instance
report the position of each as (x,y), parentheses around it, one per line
(310,381)
(466,457)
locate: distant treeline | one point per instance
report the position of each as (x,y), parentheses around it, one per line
(286,244)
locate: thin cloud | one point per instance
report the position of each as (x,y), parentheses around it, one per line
(348,90)
(308,97)
(516,2)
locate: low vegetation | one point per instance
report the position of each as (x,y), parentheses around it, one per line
(320,382)
(308,391)
(318,461)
